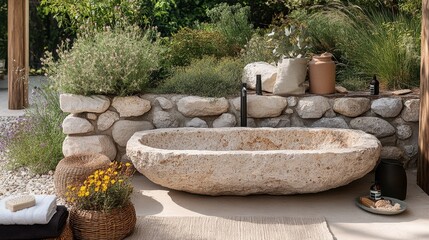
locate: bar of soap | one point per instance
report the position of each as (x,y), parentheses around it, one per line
(20,202)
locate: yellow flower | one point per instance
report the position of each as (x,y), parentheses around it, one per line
(127,164)
(112,181)
(86,194)
(98,183)
(83,188)
(120,180)
(97,189)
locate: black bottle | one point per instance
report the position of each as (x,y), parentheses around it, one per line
(375,191)
(374,86)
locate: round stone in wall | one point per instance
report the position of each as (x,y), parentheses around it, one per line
(410,113)
(225,120)
(198,106)
(75,125)
(351,107)
(89,144)
(387,107)
(197,123)
(131,106)
(123,130)
(162,119)
(391,152)
(336,122)
(262,106)
(312,107)
(164,103)
(373,125)
(404,131)
(106,120)
(72,103)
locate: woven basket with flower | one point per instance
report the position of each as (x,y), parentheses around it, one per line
(101,206)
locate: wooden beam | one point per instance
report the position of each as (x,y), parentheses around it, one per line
(423,160)
(18,20)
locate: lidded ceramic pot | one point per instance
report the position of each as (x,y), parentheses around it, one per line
(322,74)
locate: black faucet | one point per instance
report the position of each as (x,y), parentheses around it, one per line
(243,106)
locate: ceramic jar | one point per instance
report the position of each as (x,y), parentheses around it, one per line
(322,74)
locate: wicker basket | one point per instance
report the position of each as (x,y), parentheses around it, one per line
(76,168)
(112,225)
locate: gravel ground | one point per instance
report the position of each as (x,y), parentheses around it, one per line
(20,181)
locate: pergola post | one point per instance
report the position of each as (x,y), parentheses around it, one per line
(423,160)
(18,53)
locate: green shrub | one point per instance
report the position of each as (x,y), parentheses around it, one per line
(37,144)
(233,22)
(259,48)
(117,62)
(386,45)
(208,77)
(189,44)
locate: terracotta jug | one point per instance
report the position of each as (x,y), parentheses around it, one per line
(322,74)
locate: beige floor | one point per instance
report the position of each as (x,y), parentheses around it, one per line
(346,221)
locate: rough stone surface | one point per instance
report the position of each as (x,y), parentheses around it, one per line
(122,130)
(388,141)
(106,120)
(197,123)
(330,123)
(72,103)
(91,116)
(296,121)
(410,150)
(203,161)
(312,107)
(268,74)
(404,131)
(225,120)
(373,125)
(198,106)
(391,152)
(164,103)
(89,144)
(162,119)
(351,107)
(387,107)
(263,106)
(288,111)
(410,113)
(330,113)
(131,106)
(75,125)
(292,101)
(279,122)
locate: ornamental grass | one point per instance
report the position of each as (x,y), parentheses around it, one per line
(104,189)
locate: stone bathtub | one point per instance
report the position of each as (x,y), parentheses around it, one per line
(242,161)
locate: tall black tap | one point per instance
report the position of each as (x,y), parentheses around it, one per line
(243,106)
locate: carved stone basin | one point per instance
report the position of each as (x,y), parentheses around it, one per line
(242,161)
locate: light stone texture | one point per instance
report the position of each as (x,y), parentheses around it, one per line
(268,74)
(330,113)
(296,121)
(122,130)
(410,150)
(72,103)
(373,125)
(75,125)
(106,120)
(404,131)
(387,107)
(198,106)
(241,161)
(91,116)
(410,113)
(197,123)
(288,111)
(225,120)
(336,122)
(391,152)
(162,119)
(89,144)
(164,103)
(131,106)
(351,107)
(292,101)
(312,107)
(259,106)
(388,141)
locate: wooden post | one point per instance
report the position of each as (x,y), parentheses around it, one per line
(18,20)
(423,161)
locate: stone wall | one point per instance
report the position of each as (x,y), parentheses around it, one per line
(104,125)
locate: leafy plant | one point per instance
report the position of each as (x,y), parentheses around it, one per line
(208,77)
(188,44)
(104,190)
(233,22)
(113,61)
(37,142)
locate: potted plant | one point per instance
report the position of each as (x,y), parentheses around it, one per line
(101,206)
(291,48)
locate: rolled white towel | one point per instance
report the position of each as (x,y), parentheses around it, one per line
(41,213)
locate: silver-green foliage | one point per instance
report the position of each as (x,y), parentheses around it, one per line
(37,142)
(208,77)
(113,61)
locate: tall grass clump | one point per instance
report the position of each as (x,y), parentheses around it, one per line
(387,45)
(206,77)
(37,143)
(111,61)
